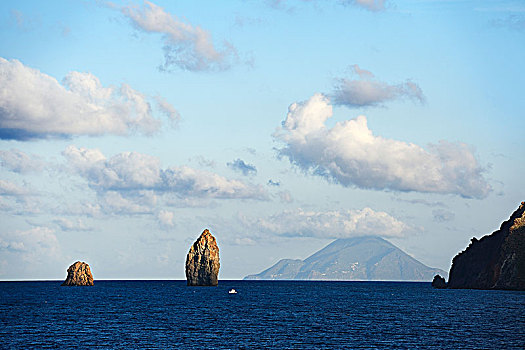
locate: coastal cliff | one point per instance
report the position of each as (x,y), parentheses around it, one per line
(496,261)
(79,274)
(202,261)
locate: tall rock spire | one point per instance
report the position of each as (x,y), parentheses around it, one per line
(202,261)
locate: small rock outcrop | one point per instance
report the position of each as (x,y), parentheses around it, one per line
(496,261)
(439,282)
(79,274)
(202,261)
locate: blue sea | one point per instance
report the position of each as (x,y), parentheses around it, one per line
(262,315)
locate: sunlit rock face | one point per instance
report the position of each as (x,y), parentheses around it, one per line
(202,261)
(496,261)
(79,274)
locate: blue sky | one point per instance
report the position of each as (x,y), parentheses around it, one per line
(127,128)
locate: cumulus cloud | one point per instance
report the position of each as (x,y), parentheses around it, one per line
(128,202)
(20,162)
(72,224)
(33,244)
(36,105)
(244,241)
(83,208)
(186,46)
(8,188)
(365,90)
(241,166)
(129,173)
(351,155)
(168,109)
(329,224)
(20,200)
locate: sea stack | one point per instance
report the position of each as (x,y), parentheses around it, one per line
(79,274)
(202,261)
(496,261)
(439,282)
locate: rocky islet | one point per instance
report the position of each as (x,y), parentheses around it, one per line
(79,274)
(439,282)
(202,261)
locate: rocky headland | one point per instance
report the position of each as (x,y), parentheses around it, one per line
(202,261)
(496,261)
(79,274)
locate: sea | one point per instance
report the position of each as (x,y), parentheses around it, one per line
(261,315)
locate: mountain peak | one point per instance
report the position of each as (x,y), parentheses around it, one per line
(355,258)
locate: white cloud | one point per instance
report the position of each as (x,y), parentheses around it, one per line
(36,244)
(72,225)
(186,46)
(21,200)
(244,241)
(174,201)
(245,168)
(196,183)
(351,155)
(20,162)
(36,105)
(124,171)
(83,208)
(127,203)
(329,224)
(368,91)
(165,218)
(8,188)
(130,172)
(168,109)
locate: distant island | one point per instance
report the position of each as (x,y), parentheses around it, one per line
(496,261)
(352,259)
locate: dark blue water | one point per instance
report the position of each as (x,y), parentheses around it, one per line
(278,315)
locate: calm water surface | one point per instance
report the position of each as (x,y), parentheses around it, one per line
(277,315)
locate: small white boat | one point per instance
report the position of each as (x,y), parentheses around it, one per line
(232,291)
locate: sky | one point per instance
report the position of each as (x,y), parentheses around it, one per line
(127,128)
